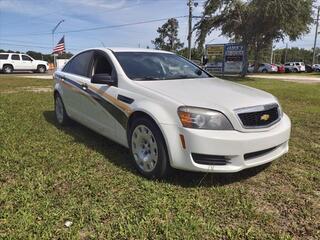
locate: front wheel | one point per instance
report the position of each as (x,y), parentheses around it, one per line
(148,149)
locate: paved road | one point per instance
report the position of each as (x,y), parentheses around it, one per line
(288,78)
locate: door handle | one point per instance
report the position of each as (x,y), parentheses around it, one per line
(125,99)
(84,86)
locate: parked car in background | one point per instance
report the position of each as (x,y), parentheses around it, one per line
(264,68)
(10,62)
(169,112)
(295,67)
(316,67)
(309,68)
(281,69)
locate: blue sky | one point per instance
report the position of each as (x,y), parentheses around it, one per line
(29,22)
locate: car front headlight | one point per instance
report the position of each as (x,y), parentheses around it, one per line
(280,111)
(202,118)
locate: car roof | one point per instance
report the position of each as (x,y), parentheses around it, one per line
(8,53)
(123,49)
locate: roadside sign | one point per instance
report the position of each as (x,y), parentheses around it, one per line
(225,58)
(215,54)
(233,58)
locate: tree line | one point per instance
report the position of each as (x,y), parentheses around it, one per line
(257,24)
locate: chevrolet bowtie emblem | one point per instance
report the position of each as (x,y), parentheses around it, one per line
(265,117)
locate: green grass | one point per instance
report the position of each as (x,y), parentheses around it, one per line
(302,74)
(50,174)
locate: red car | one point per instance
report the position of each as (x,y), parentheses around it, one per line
(281,69)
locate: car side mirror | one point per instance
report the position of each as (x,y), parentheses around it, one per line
(103,78)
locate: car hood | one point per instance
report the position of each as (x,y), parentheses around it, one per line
(212,93)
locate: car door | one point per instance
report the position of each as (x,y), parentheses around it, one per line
(16,62)
(261,67)
(103,110)
(27,63)
(73,79)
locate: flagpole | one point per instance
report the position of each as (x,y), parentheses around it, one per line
(53,31)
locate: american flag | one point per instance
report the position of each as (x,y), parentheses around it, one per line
(60,46)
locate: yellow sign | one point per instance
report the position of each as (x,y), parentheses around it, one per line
(215,50)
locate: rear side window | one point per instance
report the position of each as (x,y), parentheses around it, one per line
(15,57)
(79,65)
(4,56)
(26,58)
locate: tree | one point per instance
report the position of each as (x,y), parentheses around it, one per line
(168,36)
(255,23)
(195,53)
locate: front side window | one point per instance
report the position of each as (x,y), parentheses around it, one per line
(79,65)
(101,65)
(4,56)
(15,57)
(26,58)
(141,66)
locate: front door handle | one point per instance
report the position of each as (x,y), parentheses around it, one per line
(84,86)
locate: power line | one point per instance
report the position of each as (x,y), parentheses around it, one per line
(98,28)
(34,46)
(120,25)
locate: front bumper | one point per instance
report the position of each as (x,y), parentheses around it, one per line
(233,145)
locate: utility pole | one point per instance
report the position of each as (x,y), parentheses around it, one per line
(190,3)
(285,54)
(315,37)
(53,31)
(271,57)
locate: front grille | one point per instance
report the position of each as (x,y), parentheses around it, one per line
(262,118)
(256,154)
(210,159)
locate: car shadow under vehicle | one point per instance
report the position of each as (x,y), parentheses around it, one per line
(120,157)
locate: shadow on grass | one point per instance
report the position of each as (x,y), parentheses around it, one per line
(120,157)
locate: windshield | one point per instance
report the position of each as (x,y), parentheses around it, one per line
(142,66)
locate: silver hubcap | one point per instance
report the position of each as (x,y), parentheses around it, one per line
(59,110)
(144,148)
(41,69)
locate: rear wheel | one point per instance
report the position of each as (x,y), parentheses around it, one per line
(148,149)
(7,69)
(264,70)
(60,111)
(295,70)
(41,69)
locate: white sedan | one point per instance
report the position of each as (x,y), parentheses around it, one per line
(170,112)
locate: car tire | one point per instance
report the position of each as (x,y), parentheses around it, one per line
(295,70)
(7,69)
(41,69)
(60,111)
(148,149)
(264,71)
